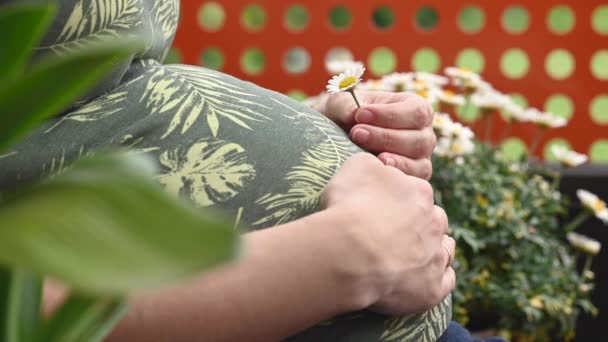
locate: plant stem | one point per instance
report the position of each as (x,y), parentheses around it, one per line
(506,131)
(352,92)
(588,262)
(578,220)
(536,141)
(489,122)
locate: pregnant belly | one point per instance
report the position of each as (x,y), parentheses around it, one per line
(226,144)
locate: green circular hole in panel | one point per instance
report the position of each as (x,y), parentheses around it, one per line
(519,99)
(513,149)
(383,17)
(561,105)
(515,19)
(340,18)
(599,65)
(599,110)
(382,61)
(426,60)
(296,18)
(599,151)
(468,113)
(174,56)
(211,16)
(253,17)
(212,58)
(471,19)
(297,95)
(427,18)
(599,20)
(560,64)
(472,59)
(253,61)
(561,19)
(297,61)
(514,63)
(554,142)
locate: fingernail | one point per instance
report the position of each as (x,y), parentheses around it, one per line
(390,161)
(364,116)
(361,136)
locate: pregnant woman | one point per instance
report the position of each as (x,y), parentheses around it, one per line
(357,250)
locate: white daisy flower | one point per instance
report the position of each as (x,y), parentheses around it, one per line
(338,66)
(568,157)
(594,204)
(440,121)
(584,243)
(460,73)
(434,79)
(374,85)
(430,94)
(545,120)
(513,112)
(489,100)
(450,147)
(451,98)
(347,80)
(398,82)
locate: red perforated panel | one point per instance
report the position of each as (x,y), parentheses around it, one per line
(405,38)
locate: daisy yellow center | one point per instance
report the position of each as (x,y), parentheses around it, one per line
(598,205)
(457,148)
(463,69)
(449,94)
(423,93)
(348,81)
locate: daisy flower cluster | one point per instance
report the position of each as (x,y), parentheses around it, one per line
(492,199)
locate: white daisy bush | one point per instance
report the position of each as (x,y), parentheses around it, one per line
(517,248)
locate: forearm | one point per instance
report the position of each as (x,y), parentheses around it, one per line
(285,282)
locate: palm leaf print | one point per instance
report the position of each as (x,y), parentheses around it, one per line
(208,172)
(97,109)
(190,93)
(307,180)
(423,327)
(165,16)
(97,20)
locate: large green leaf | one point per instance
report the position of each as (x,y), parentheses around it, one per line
(21,28)
(103,226)
(53,85)
(84,318)
(20,294)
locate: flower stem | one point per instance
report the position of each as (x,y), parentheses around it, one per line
(578,220)
(588,262)
(506,131)
(489,119)
(352,92)
(536,141)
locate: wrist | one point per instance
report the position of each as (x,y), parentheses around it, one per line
(347,262)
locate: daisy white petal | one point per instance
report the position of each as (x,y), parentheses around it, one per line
(593,203)
(451,98)
(346,80)
(568,157)
(584,243)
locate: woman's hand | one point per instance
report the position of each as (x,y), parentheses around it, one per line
(398,249)
(396,126)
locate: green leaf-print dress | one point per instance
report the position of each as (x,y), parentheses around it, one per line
(220,142)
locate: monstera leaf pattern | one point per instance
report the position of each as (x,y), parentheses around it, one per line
(219,142)
(190,94)
(209,172)
(97,20)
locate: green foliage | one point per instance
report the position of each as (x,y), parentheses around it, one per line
(513,264)
(102,226)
